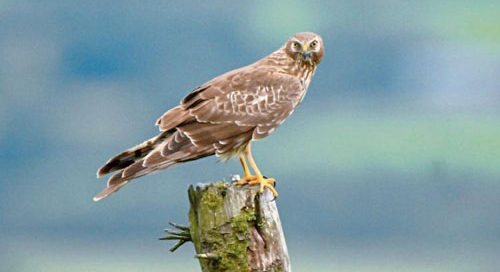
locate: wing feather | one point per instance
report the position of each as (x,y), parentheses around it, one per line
(257,98)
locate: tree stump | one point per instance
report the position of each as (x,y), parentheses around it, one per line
(234,228)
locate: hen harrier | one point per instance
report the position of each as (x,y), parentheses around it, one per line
(224,115)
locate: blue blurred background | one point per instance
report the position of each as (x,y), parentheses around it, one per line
(391,163)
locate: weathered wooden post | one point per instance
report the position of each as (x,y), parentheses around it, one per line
(233,228)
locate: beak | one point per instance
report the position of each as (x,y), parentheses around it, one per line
(305,52)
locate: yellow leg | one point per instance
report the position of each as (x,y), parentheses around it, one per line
(259,178)
(248,176)
(244,165)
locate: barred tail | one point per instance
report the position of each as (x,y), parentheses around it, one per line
(132,155)
(166,150)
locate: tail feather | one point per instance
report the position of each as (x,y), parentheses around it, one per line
(123,177)
(109,190)
(128,157)
(164,151)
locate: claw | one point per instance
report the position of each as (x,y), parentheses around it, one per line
(245,180)
(258,179)
(264,183)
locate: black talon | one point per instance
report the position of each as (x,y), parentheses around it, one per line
(275,182)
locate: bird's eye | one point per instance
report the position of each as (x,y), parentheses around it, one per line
(313,44)
(296,45)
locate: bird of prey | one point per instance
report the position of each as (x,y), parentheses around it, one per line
(224,115)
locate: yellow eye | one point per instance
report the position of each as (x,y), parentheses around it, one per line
(313,44)
(296,45)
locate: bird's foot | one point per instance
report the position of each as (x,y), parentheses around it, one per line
(245,180)
(264,182)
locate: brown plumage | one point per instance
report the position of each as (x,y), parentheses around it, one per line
(222,116)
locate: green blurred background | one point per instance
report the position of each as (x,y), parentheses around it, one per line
(391,163)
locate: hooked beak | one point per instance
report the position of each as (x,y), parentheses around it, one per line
(305,52)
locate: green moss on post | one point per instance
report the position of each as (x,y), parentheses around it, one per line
(236,229)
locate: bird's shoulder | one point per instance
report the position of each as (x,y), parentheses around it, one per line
(242,80)
(241,90)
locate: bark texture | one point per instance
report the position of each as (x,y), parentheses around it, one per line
(235,228)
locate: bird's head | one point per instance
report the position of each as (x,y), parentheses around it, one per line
(305,47)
